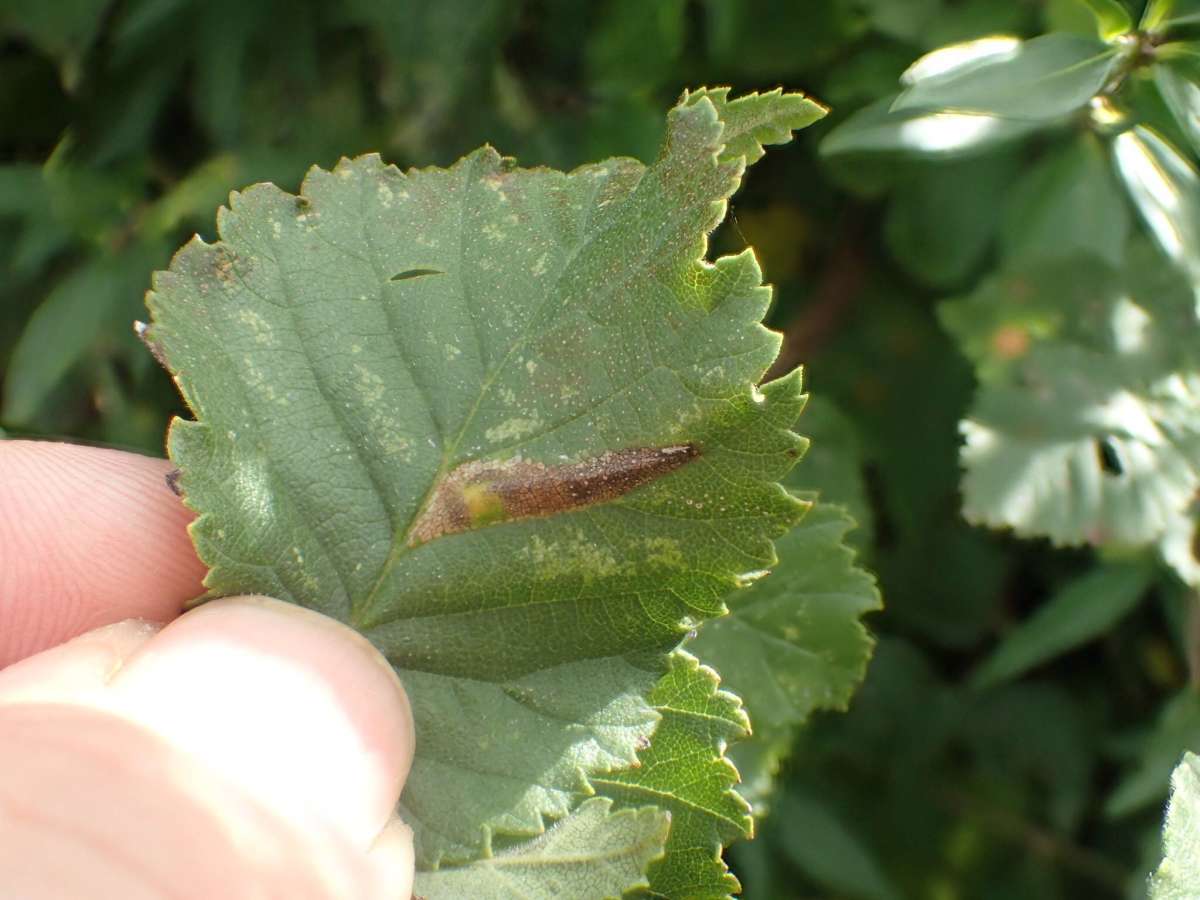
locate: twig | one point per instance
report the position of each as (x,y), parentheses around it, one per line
(1044,843)
(840,283)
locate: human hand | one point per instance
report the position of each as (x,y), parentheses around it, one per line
(250,748)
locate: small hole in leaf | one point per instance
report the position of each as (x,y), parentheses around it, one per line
(1110,459)
(415,273)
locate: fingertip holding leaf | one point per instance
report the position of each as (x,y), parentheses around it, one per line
(506,422)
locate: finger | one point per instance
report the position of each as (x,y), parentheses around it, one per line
(87,537)
(92,805)
(299,711)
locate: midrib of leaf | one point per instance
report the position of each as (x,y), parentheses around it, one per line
(662,797)
(361,613)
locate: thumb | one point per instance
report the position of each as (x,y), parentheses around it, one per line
(250,748)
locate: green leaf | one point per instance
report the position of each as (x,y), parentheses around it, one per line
(1039,80)
(941,222)
(685,772)
(502,421)
(833,465)
(1182,96)
(64,29)
(1163,15)
(793,643)
(1156,13)
(1178,876)
(1112,18)
(1085,425)
(75,318)
(592,853)
(878,128)
(829,851)
(1085,609)
(1165,188)
(1177,728)
(1068,204)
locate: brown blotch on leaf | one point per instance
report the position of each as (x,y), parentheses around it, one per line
(482,493)
(172,480)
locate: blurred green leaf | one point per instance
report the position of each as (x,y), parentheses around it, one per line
(1038,80)
(1165,188)
(1067,205)
(1163,15)
(1177,729)
(1155,14)
(793,642)
(1181,93)
(1082,611)
(833,466)
(830,850)
(590,853)
(1178,876)
(941,222)
(1086,427)
(64,29)
(99,296)
(1112,18)
(878,128)
(635,46)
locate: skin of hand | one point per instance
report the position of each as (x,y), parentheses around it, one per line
(246,749)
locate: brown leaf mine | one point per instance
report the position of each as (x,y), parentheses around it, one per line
(483,493)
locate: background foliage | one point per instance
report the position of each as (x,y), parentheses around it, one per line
(1027,701)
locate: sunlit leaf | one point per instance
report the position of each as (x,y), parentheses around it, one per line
(1085,428)
(685,772)
(505,423)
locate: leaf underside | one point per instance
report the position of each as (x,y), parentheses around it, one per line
(351,352)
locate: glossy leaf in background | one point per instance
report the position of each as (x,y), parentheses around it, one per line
(880,128)
(1067,204)
(1165,188)
(1038,80)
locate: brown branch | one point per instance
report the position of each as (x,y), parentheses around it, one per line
(1042,842)
(840,284)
